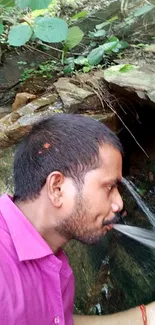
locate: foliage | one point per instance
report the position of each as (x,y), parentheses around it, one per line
(79,15)
(40,25)
(107,22)
(50,30)
(1,29)
(36,26)
(19,34)
(96,55)
(126,68)
(110,46)
(74,37)
(45,70)
(117,69)
(33,4)
(143,10)
(7,3)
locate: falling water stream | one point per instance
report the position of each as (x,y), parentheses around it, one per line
(144,236)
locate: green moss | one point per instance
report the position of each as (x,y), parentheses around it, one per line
(6,182)
(83,270)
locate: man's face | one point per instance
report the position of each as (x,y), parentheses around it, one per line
(96,204)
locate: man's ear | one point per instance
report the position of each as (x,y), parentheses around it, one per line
(54,184)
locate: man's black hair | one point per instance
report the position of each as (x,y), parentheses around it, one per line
(68,143)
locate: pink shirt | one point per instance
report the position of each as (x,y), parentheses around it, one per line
(36,287)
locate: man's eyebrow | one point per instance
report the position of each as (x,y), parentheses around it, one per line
(119,181)
(114,182)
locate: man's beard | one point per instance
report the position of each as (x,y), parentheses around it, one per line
(76,226)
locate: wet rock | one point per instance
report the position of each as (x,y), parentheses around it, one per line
(150,48)
(6,179)
(109,119)
(14,63)
(71,95)
(83,270)
(22,99)
(151,177)
(136,81)
(18,123)
(81,95)
(4,110)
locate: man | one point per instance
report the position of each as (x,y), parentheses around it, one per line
(66,172)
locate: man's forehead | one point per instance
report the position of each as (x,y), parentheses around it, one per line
(109,157)
(110,164)
(107,151)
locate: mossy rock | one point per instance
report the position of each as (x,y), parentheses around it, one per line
(6,180)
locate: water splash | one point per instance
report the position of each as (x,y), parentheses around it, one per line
(131,187)
(144,236)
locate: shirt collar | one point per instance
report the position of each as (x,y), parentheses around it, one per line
(28,242)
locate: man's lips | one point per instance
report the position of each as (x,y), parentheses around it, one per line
(111,221)
(108,227)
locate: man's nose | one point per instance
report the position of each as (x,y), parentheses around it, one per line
(117,204)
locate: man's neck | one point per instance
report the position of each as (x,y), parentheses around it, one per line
(35,212)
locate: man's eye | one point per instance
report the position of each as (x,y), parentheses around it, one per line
(110,187)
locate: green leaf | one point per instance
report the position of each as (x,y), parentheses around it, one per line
(33,4)
(96,55)
(50,30)
(141,45)
(79,15)
(124,45)
(19,34)
(110,46)
(115,49)
(75,35)
(112,19)
(107,22)
(81,60)
(39,12)
(93,44)
(129,20)
(69,60)
(126,68)
(100,33)
(69,68)
(113,39)
(1,29)
(87,69)
(143,10)
(100,26)
(91,34)
(7,3)
(115,70)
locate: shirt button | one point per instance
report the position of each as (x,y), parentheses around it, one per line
(56,320)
